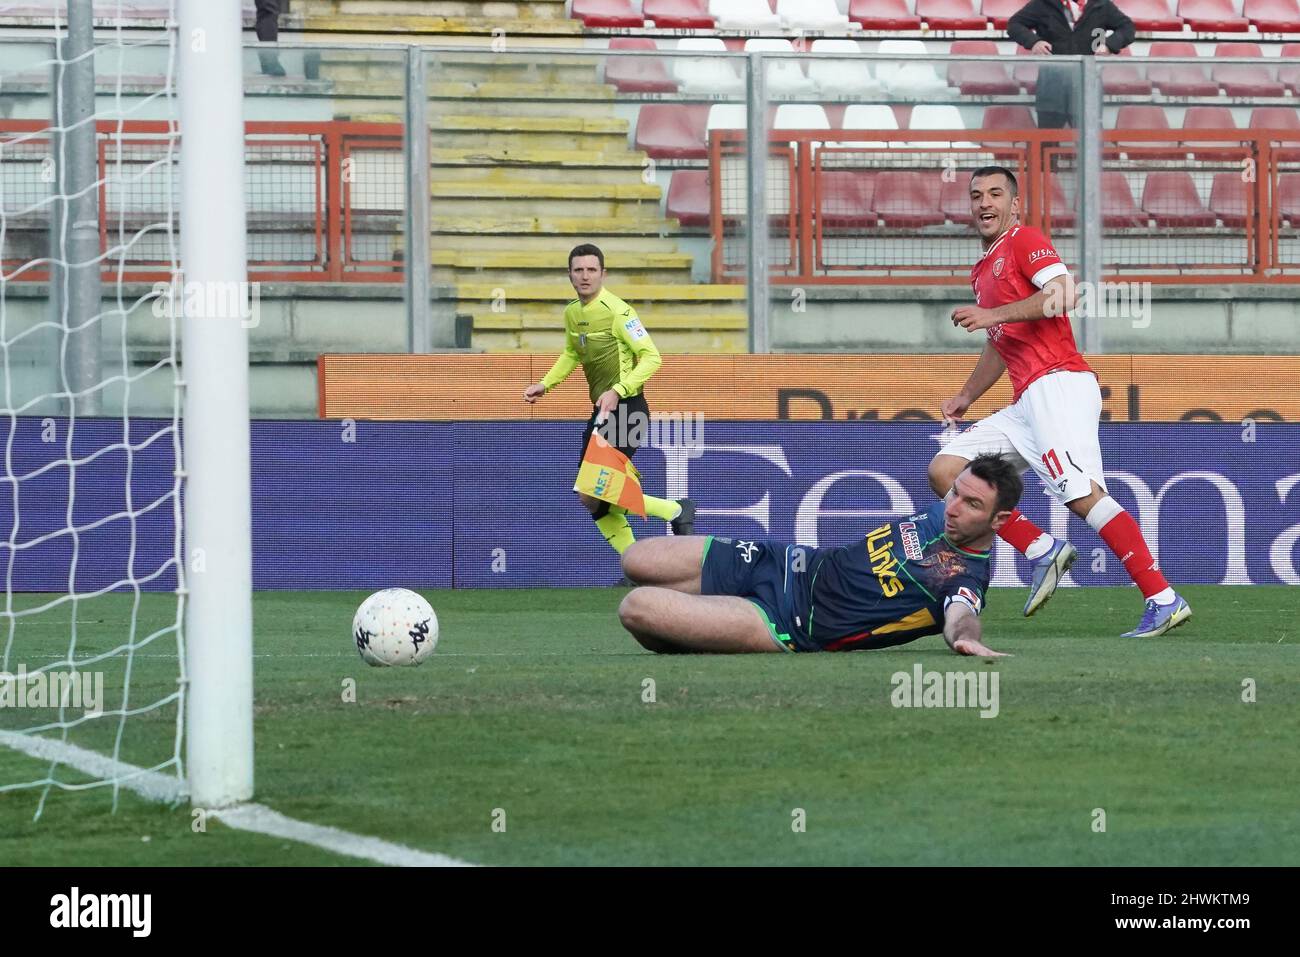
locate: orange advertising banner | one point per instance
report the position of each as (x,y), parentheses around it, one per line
(1135,388)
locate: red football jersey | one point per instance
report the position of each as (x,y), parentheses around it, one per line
(1018,264)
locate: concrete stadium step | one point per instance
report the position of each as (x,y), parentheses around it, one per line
(529,159)
(513,173)
(503,200)
(405,27)
(522,223)
(508,268)
(619,249)
(669,342)
(649,299)
(462,68)
(506,9)
(598,134)
(663,319)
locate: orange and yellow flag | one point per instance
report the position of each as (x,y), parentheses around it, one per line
(608,474)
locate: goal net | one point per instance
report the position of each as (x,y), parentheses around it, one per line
(94,679)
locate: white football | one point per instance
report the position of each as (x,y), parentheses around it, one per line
(395,627)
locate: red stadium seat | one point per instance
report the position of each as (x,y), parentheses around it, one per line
(954,200)
(846,199)
(1228,199)
(908,199)
(980,78)
(673,130)
(1151,15)
(689,197)
(1179,79)
(1273,16)
(1288,198)
(883,15)
(607,13)
(1209,118)
(1135,117)
(1060,210)
(949,15)
(1245,79)
(1026,74)
(1212,16)
(1118,211)
(1171,199)
(1123,78)
(1008,118)
(1000,11)
(1278,118)
(679,14)
(1288,74)
(636,74)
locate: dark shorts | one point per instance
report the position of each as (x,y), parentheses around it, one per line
(759,572)
(631,406)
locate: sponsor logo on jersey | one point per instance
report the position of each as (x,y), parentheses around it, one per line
(880,549)
(747,550)
(997,267)
(1038,254)
(634,328)
(911,541)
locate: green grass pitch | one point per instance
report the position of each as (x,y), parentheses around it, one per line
(533,704)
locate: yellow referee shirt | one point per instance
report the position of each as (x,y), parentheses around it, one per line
(607,339)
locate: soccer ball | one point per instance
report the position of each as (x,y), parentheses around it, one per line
(395,627)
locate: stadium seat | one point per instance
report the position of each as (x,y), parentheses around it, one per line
(1211,16)
(811,15)
(1060,211)
(1278,118)
(1120,78)
(979,78)
(678,14)
(637,74)
(1245,79)
(1179,79)
(1000,11)
(1273,16)
(1208,118)
(1288,198)
(1151,15)
(1288,73)
(785,77)
(726,116)
(949,15)
(1118,211)
(869,116)
(744,15)
(848,77)
(927,116)
(707,73)
(672,130)
(845,199)
(1026,74)
(689,197)
(883,15)
(1228,199)
(1170,198)
(954,200)
(1007,118)
(1134,117)
(607,13)
(912,80)
(801,116)
(908,199)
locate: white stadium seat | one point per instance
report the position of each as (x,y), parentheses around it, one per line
(706,74)
(744,14)
(784,77)
(912,80)
(813,15)
(868,116)
(848,77)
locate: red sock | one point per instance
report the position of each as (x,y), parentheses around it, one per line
(1019,532)
(1125,539)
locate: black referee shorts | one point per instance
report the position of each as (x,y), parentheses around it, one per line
(628,426)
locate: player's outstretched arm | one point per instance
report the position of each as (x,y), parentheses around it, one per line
(986,372)
(962,632)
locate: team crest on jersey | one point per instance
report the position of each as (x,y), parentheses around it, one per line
(911,541)
(997,267)
(634,328)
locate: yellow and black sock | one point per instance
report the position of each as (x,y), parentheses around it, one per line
(613,524)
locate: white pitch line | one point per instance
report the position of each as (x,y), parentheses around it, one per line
(257,818)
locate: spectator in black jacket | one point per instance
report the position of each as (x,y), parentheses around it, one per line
(1062,28)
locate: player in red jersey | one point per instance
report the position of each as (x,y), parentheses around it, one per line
(1022,294)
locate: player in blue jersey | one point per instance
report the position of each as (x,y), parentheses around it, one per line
(922,575)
